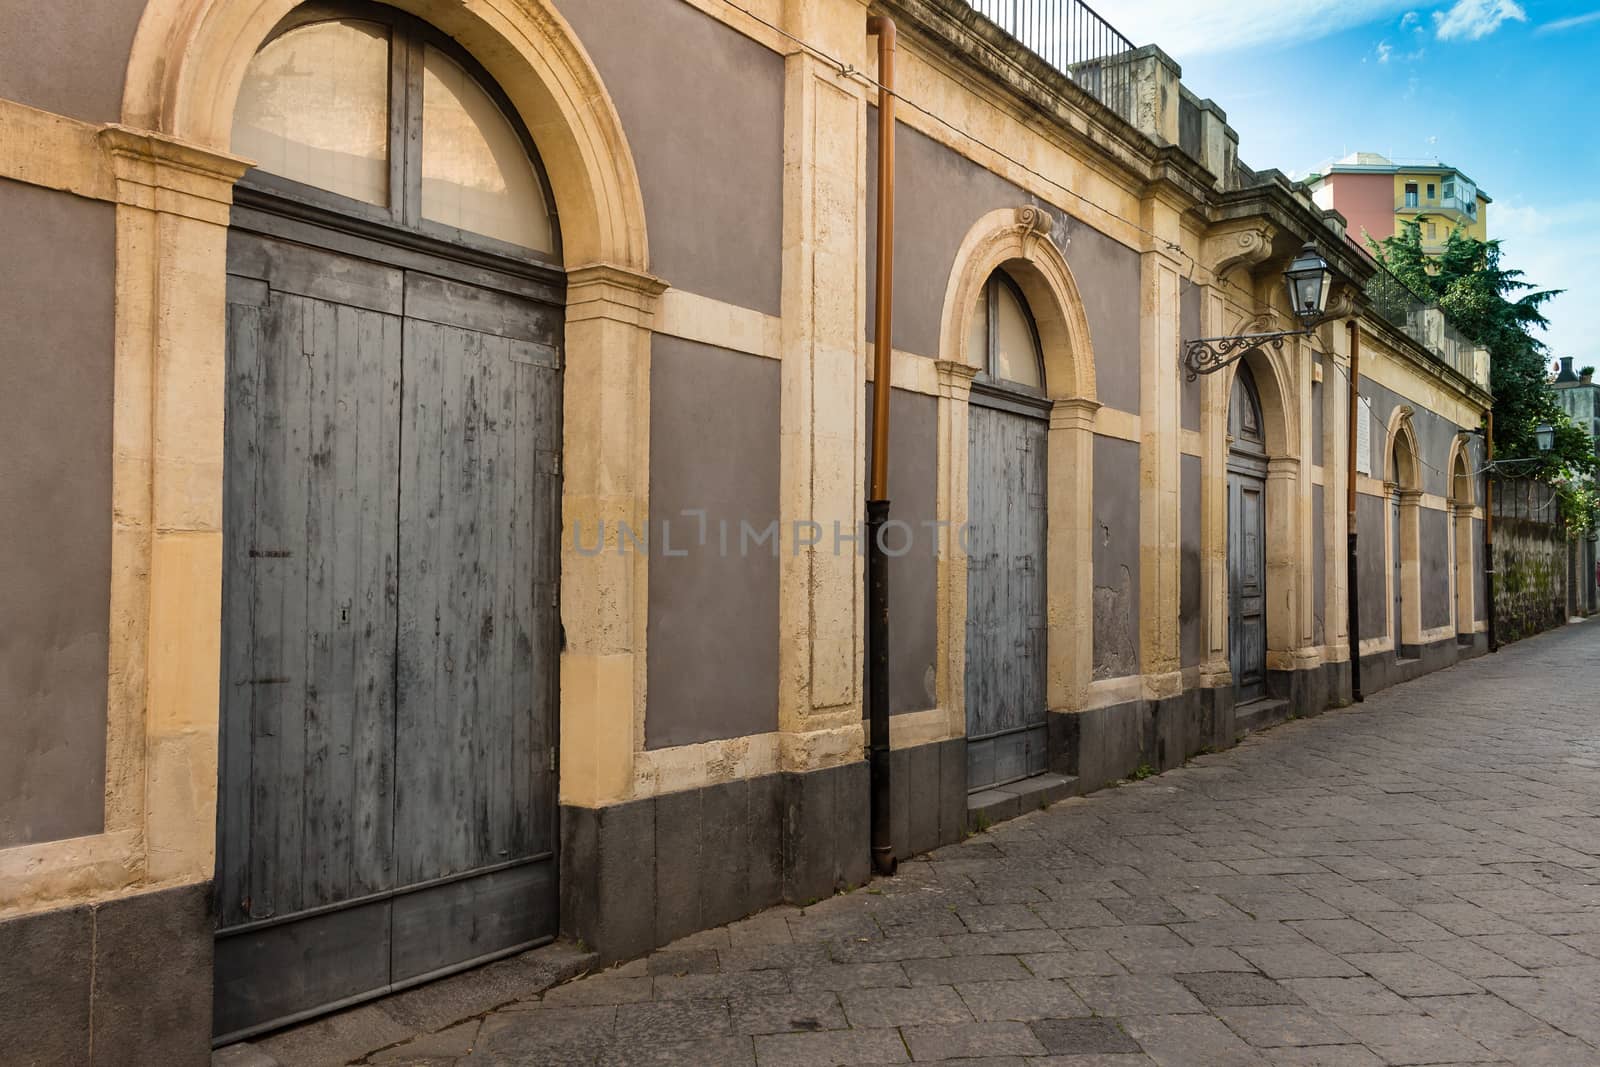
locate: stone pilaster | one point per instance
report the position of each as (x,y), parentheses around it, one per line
(955,389)
(606,484)
(1160,437)
(822,419)
(173,203)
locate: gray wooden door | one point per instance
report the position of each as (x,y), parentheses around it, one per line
(1394,556)
(1005,671)
(1247,540)
(1247,581)
(386,805)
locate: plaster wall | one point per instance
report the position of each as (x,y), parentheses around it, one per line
(913,576)
(939,194)
(702,106)
(1367,203)
(1115,537)
(56,327)
(69,58)
(713,614)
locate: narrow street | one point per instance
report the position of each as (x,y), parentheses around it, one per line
(1415,880)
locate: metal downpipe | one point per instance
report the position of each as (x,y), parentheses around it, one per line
(1488,531)
(877,681)
(1353,570)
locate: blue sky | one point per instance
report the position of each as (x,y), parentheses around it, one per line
(1506,90)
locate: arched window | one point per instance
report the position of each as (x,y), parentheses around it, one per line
(1004,336)
(1244,413)
(370,112)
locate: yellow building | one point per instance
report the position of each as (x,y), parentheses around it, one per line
(1376,194)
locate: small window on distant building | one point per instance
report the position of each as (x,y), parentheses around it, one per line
(1433,232)
(1411,194)
(1472,208)
(1449,189)
(1430,190)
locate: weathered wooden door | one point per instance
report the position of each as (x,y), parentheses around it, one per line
(1394,555)
(1247,565)
(387,801)
(1005,541)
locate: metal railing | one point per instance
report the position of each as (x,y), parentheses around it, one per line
(1426,324)
(1071,37)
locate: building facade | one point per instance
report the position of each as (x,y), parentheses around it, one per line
(443,536)
(1377,195)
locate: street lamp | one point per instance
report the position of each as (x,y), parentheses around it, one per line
(1308,279)
(1545,436)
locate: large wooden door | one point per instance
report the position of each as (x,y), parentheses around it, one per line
(387,806)
(1005,669)
(1398,583)
(1247,582)
(1247,540)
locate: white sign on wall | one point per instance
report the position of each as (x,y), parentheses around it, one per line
(1364,439)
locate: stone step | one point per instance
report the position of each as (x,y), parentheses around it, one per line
(989,806)
(1260,714)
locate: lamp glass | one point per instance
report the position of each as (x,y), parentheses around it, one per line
(1309,279)
(1545,436)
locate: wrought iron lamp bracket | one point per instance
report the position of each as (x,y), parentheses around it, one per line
(1207,355)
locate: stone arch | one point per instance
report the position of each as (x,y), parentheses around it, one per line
(189,59)
(1279,413)
(1403,462)
(175,180)
(1019,240)
(1403,477)
(1463,489)
(1280,424)
(1462,503)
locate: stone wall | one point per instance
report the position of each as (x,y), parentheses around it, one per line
(1530,561)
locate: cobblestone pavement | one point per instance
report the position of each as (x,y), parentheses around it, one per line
(1415,880)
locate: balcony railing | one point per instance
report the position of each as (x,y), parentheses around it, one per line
(1071,37)
(1426,324)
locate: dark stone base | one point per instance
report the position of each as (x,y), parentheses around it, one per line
(637,876)
(928,807)
(1380,670)
(1103,745)
(133,972)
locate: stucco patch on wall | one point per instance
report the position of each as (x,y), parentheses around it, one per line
(55,511)
(1115,538)
(702,106)
(70,58)
(1192,631)
(913,580)
(713,617)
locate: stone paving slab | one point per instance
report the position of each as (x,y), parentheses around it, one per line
(1412,880)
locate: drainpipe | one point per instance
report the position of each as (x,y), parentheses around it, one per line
(1352,573)
(1488,531)
(878,496)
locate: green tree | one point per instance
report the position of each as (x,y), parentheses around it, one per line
(1495,307)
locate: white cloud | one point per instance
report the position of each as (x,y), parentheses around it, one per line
(1185,28)
(1553,247)
(1410,19)
(1384,51)
(1471,20)
(1566,24)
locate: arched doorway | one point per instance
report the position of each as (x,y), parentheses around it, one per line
(1007,522)
(391,519)
(1461,504)
(1405,495)
(1247,536)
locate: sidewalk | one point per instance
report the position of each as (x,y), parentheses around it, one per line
(1413,880)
